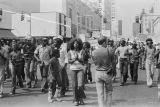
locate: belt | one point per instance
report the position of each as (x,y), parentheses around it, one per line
(100,70)
(123,58)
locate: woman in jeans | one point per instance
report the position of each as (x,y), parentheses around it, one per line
(75,59)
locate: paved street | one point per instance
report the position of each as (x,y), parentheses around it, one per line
(128,96)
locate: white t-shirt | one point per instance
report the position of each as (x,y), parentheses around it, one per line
(122,51)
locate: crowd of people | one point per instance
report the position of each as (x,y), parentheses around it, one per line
(20,62)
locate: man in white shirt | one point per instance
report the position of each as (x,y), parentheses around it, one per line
(123,52)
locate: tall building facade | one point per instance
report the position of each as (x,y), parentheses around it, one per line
(83,19)
(115,25)
(146,20)
(156,22)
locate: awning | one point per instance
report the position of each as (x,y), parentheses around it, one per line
(7,34)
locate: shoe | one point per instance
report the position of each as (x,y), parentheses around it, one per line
(58,99)
(12,93)
(81,102)
(43,90)
(122,84)
(135,83)
(33,86)
(76,103)
(1,95)
(50,100)
(50,97)
(150,86)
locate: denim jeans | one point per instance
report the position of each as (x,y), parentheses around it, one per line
(104,88)
(29,69)
(44,73)
(16,74)
(124,69)
(1,78)
(64,79)
(141,61)
(158,82)
(134,71)
(149,72)
(77,77)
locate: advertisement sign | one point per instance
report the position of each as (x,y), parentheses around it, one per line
(106,33)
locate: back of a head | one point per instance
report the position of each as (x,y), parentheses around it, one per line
(102,40)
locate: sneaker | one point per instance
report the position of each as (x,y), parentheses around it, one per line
(1,95)
(149,86)
(43,90)
(12,93)
(122,84)
(58,99)
(33,86)
(81,102)
(76,103)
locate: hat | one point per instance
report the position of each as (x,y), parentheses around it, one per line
(59,36)
(44,39)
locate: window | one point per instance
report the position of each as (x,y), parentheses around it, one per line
(78,17)
(91,24)
(83,20)
(88,22)
(70,13)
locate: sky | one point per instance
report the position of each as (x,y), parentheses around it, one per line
(128,9)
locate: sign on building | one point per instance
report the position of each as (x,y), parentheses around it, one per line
(120,27)
(106,33)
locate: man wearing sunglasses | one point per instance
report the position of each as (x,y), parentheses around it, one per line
(149,59)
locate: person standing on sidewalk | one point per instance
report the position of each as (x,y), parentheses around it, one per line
(103,59)
(42,56)
(2,69)
(134,62)
(75,59)
(63,60)
(150,59)
(16,60)
(123,52)
(113,48)
(30,62)
(54,71)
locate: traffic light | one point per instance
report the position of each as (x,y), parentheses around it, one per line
(1,12)
(22,17)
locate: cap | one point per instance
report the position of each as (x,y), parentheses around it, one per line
(59,36)
(44,39)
